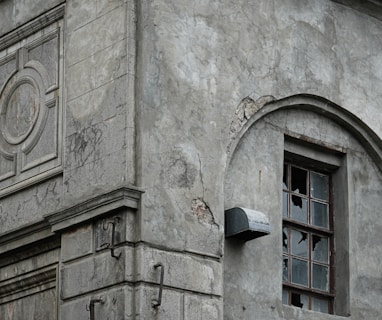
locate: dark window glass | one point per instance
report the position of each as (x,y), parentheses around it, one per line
(299,180)
(307,239)
(319,186)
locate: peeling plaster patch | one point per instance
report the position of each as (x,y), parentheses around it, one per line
(201,210)
(246,109)
(180,173)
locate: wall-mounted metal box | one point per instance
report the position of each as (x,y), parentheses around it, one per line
(246,224)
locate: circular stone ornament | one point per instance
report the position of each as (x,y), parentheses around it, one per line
(21,106)
(20,112)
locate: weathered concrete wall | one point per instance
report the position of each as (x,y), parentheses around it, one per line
(99,56)
(198,60)
(252,277)
(87,67)
(67,136)
(149,100)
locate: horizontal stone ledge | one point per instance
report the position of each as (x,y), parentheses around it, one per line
(128,197)
(90,209)
(24,236)
(31,27)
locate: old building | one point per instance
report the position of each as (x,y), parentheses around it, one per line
(180,160)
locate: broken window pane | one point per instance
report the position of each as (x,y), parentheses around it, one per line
(319,213)
(285,268)
(285,204)
(300,300)
(300,272)
(306,246)
(320,305)
(320,277)
(285,177)
(319,186)
(299,209)
(299,243)
(299,180)
(320,250)
(285,240)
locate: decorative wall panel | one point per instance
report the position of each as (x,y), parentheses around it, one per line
(31,103)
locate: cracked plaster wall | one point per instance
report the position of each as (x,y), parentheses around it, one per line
(97,126)
(196,61)
(100,117)
(253,181)
(199,59)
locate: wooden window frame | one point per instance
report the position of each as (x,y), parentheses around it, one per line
(310,229)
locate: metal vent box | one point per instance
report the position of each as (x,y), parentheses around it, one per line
(246,224)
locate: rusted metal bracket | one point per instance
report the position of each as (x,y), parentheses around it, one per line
(91,307)
(111,245)
(157,302)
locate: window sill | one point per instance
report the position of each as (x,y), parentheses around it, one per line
(291,312)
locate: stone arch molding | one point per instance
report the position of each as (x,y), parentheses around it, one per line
(250,111)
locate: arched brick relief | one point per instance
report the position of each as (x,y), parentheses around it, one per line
(250,111)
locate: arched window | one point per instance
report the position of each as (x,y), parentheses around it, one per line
(304,162)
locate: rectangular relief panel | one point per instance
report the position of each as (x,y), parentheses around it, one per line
(31,102)
(28,283)
(41,305)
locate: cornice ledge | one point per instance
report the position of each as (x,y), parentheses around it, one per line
(125,197)
(25,235)
(31,27)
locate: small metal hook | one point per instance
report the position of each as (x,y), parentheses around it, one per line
(112,244)
(105,225)
(157,302)
(91,308)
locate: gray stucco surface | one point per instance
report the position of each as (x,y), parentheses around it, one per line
(167,113)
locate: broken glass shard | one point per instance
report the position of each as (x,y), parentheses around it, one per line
(320,249)
(299,209)
(299,180)
(299,243)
